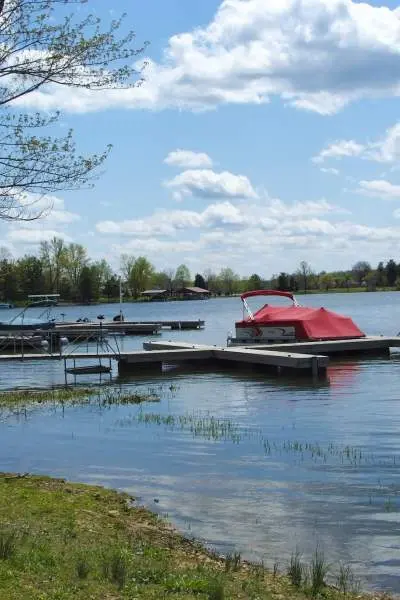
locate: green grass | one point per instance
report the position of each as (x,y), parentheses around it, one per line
(63,541)
(73,395)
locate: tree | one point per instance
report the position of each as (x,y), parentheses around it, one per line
(74,258)
(52,256)
(283,282)
(360,270)
(30,275)
(199,281)
(228,279)
(391,272)
(182,276)
(254,283)
(44,46)
(140,275)
(111,287)
(380,275)
(326,281)
(304,272)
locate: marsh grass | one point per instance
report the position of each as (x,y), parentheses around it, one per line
(318,571)
(19,401)
(232,561)
(346,581)
(296,569)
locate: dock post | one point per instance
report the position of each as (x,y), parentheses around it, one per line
(314,367)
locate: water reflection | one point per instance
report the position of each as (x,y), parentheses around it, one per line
(287,463)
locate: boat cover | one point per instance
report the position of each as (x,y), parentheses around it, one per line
(309,323)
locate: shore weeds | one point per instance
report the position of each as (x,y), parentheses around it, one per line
(70,541)
(18,401)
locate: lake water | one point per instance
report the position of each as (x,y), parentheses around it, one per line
(249,462)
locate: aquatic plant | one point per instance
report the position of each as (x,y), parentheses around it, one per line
(318,571)
(295,569)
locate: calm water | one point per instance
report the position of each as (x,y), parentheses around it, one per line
(287,464)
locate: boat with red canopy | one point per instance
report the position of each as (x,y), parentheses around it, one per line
(293,323)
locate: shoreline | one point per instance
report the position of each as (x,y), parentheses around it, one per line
(73,540)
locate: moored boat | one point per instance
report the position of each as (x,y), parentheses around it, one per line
(293,323)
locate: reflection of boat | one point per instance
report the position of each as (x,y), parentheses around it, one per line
(294,323)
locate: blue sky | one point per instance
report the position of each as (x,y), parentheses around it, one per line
(263,136)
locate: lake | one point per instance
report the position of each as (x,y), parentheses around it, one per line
(246,462)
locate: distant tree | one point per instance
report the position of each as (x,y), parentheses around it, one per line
(391,272)
(30,275)
(200,282)
(360,270)
(8,280)
(228,279)
(326,281)
(304,273)
(293,285)
(160,280)
(52,255)
(381,275)
(370,280)
(74,258)
(140,275)
(126,264)
(111,287)
(283,282)
(182,276)
(87,285)
(254,283)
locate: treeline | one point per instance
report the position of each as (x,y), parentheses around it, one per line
(66,269)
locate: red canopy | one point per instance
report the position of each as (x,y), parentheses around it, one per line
(309,323)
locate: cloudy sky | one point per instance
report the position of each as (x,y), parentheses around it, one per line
(266,133)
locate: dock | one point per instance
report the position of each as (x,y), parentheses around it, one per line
(69,328)
(310,357)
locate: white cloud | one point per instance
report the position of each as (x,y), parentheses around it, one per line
(343,148)
(34,236)
(379,188)
(188,159)
(330,171)
(384,150)
(209,184)
(52,207)
(266,215)
(316,55)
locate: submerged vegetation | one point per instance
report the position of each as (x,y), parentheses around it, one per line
(70,541)
(21,402)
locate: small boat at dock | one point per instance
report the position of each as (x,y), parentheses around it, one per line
(293,323)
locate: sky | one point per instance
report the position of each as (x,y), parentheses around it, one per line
(264,134)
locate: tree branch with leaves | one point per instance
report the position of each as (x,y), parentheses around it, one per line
(43,45)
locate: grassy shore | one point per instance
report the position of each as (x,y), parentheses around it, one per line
(63,541)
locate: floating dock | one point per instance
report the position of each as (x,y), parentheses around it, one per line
(69,328)
(308,357)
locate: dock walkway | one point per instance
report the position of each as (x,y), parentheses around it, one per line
(311,357)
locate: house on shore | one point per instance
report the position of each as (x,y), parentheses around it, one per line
(155,294)
(193,293)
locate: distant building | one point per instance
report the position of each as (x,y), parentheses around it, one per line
(155,294)
(194,293)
